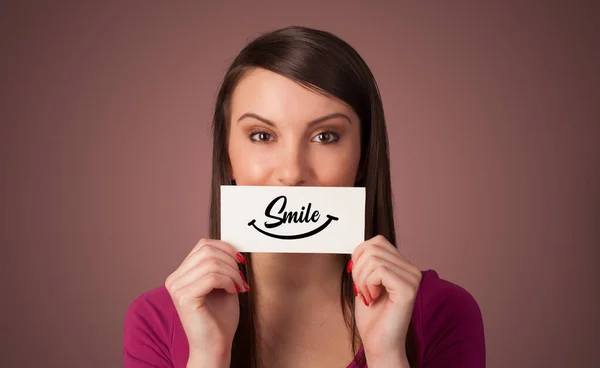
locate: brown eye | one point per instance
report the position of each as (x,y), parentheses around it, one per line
(261,137)
(326,137)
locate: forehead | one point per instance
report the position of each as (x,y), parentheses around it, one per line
(281,99)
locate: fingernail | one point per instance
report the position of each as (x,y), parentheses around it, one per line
(355,290)
(349,267)
(246,286)
(240,257)
(242,275)
(364,300)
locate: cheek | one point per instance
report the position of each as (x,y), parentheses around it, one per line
(337,167)
(336,171)
(253,171)
(248,169)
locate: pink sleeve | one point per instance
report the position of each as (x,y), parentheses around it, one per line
(146,336)
(453,329)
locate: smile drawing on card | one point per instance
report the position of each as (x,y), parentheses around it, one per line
(276,210)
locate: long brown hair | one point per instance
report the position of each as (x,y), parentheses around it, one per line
(325,64)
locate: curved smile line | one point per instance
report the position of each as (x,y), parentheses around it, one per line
(297,236)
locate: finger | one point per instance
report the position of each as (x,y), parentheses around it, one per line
(361,270)
(380,247)
(369,263)
(210,266)
(224,246)
(207,251)
(399,288)
(383,243)
(195,293)
(371,293)
(373,287)
(379,240)
(203,251)
(391,255)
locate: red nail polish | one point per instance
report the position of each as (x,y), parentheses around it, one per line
(364,300)
(246,286)
(355,290)
(349,267)
(370,297)
(242,275)
(240,257)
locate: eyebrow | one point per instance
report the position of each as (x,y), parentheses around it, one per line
(311,123)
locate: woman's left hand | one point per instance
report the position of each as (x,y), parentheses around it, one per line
(386,285)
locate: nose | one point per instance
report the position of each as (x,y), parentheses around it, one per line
(293,168)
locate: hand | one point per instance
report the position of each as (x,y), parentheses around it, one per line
(386,285)
(204,290)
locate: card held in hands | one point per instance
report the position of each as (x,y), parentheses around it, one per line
(284,219)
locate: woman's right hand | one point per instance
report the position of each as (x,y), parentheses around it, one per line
(204,290)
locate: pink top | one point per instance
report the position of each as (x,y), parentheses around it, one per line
(446,322)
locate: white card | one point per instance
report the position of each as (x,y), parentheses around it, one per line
(285,219)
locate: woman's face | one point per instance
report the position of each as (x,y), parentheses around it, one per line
(284,134)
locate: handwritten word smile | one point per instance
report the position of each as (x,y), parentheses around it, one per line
(291,217)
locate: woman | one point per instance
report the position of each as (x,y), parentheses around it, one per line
(299,106)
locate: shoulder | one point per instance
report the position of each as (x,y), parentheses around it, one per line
(154,306)
(148,327)
(157,298)
(439,295)
(448,321)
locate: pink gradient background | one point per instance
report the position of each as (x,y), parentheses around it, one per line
(492,113)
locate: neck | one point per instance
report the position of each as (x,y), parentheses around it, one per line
(285,277)
(295,295)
